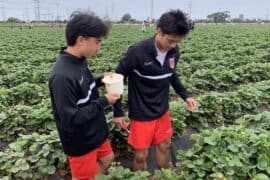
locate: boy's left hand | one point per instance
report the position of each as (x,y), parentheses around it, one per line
(191,104)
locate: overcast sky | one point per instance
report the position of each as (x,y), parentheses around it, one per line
(138,9)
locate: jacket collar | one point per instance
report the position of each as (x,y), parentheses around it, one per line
(71,58)
(152,47)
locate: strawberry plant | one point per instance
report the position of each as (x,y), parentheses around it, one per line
(234,152)
(225,67)
(33,156)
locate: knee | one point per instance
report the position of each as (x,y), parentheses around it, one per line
(111,158)
(168,143)
(105,163)
(141,156)
(165,145)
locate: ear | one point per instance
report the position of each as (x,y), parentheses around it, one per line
(79,40)
(159,32)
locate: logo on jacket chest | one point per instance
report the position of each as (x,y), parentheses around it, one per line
(81,81)
(172,62)
(147,63)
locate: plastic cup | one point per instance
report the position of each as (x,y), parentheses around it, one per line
(114,83)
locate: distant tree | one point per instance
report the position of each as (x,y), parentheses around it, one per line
(126,18)
(237,20)
(219,17)
(13,20)
(132,21)
(241,17)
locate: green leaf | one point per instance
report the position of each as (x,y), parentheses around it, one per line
(33,147)
(3,116)
(5,178)
(24,175)
(260,176)
(263,162)
(51,169)
(42,162)
(210,140)
(233,148)
(33,158)
(15,169)
(21,163)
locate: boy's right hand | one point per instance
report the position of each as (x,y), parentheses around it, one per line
(112,97)
(120,122)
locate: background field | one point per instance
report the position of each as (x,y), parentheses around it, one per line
(226,67)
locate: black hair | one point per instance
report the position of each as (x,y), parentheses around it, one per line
(86,25)
(173,22)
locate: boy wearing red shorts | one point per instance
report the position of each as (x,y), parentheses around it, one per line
(150,67)
(77,107)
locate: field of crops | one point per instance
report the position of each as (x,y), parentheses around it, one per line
(226,67)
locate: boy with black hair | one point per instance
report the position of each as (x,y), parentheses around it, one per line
(150,66)
(77,107)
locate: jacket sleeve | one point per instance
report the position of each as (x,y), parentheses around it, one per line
(64,97)
(126,66)
(128,63)
(98,81)
(177,85)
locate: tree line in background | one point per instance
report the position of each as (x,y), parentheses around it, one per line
(217,17)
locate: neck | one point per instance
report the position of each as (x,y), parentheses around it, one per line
(158,45)
(73,51)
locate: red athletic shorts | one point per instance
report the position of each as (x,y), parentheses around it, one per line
(145,133)
(85,166)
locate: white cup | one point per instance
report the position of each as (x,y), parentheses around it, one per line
(114,83)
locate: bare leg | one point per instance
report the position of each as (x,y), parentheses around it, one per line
(139,162)
(162,153)
(104,163)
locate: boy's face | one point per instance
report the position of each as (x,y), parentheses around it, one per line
(167,41)
(89,46)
